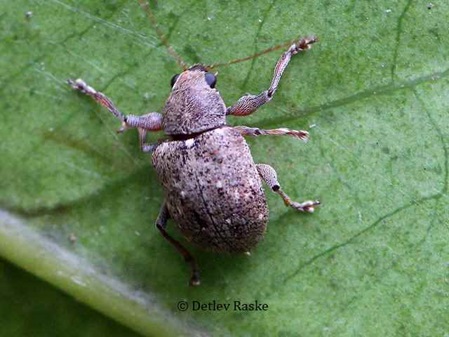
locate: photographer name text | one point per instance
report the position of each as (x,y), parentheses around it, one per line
(221,306)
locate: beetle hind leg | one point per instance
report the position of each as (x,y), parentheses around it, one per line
(268,174)
(161,224)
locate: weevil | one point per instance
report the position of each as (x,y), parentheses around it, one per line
(213,188)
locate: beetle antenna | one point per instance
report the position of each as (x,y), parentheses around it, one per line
(146,8)
(265,51)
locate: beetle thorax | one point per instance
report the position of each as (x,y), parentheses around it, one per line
(193,106)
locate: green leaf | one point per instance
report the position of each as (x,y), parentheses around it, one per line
(46,311)
(373,260)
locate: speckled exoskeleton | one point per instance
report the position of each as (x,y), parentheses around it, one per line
(213,188)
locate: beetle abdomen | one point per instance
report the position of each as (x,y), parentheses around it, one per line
(213,190)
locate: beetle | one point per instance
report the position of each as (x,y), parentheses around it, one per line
(213,188)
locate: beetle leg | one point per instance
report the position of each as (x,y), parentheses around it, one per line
(161,224)
(247,104)
(149,122)
(144,146)
(248,131)
(269,175)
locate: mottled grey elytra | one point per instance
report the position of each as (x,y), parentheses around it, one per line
(213,188)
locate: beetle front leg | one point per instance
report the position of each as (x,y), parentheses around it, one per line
(161,224)
(248,131)
(247,104)
(149,122)
(269,175)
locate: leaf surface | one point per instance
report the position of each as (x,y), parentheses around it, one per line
(373,260)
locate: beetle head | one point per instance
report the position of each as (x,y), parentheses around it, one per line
(194,105)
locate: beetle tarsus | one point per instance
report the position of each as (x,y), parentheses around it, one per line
(248,131)
(269,175)
(306,206)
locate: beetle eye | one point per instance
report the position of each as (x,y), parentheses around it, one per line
(211,80)
(173,80)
